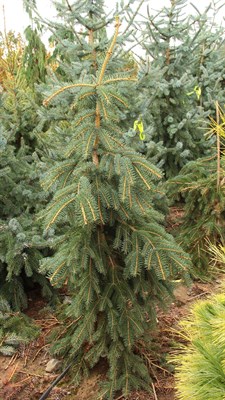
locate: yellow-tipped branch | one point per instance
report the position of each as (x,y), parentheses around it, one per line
(119,99)
(47,101)
(109,52)
(115,80)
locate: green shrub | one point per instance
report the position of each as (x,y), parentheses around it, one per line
(200,367)
(204,209)
(15,329)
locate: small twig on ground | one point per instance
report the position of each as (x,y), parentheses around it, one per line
(12,359)
(47,323)
(30,373)
(152,370)
(162,369)
(23,380)
(26,356)
(13,372)
(154,392)
(39,352)
(198,295)
(120,397)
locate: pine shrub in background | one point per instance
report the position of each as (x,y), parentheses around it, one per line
(111,247)
(180,78)
(22,244)
(208,57)
(203,219)
(34,57)
(16,329)
(200,185)
(199,371)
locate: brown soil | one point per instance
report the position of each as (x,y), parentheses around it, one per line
(23,376)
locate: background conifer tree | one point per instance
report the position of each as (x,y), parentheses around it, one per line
(200,185)
(22,244)
(34,57)
(111,248)
(203,219)
(176,87)
(15,329)
(208,66)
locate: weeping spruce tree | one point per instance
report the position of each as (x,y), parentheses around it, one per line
(111,248)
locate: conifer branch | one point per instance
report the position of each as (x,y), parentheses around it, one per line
(84,215)
(84,117)
(133,17)
(119,99)
(104,110)
(95,158)
(181,265)
(87,95)
(91,42)
(161,267)
(115,80)
(57,270)
(59,171)
(142,177)
(147,167)
(109,52)
(69,6)
(218,144)
(59,211)
(66,179)
(163,35)
(61,90)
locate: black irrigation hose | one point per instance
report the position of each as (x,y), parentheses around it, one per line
(54,383)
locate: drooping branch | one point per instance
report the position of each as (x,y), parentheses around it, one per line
(95,158)
(47,101)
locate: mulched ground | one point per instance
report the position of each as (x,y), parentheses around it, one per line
(23,376)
